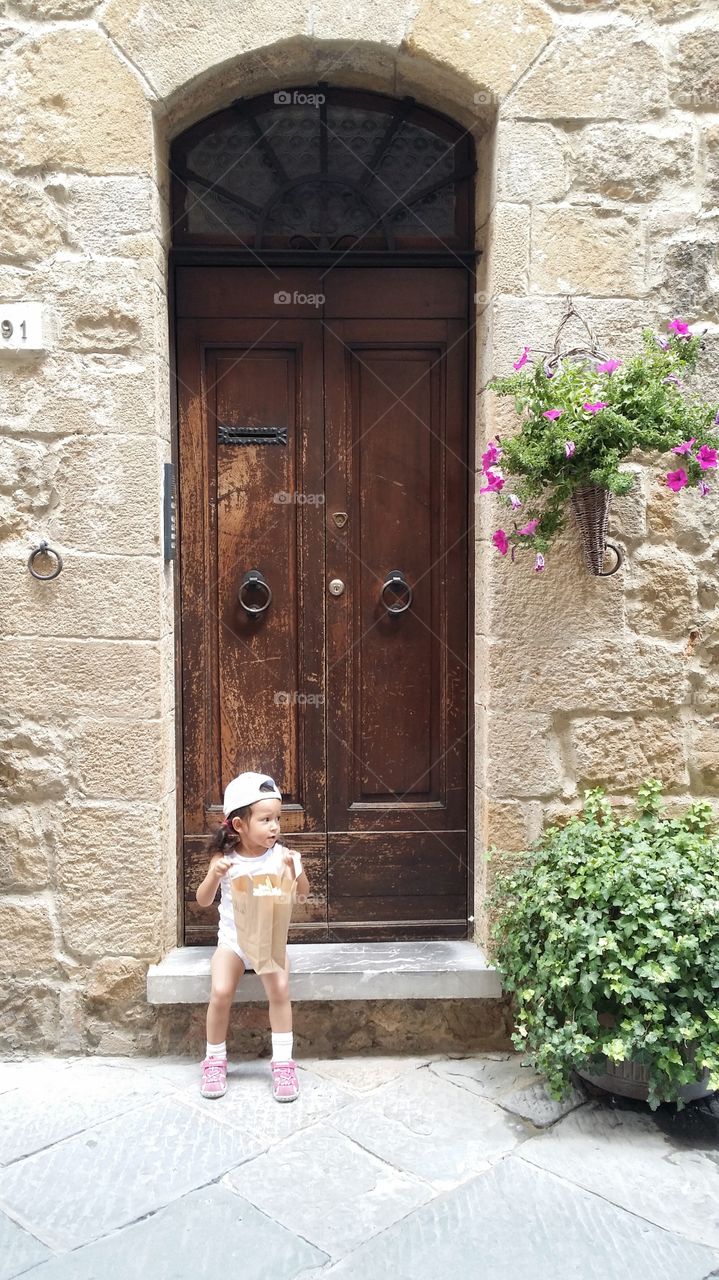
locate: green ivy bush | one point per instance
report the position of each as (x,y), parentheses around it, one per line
(607,933)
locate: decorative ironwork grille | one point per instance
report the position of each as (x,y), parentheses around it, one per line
(324,169)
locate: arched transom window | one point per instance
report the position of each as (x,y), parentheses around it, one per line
(324,170)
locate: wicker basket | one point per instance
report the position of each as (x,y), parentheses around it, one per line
(591,507)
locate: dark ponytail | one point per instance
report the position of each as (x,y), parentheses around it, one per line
(225,839)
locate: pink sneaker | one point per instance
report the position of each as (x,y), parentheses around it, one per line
(214,1077)
(285,1085)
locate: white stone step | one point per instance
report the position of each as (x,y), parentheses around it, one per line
(342,971)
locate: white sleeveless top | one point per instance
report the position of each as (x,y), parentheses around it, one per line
(270,861)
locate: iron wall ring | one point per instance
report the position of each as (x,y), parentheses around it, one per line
(44,550)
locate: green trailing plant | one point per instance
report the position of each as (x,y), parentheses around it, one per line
(607,933)
(582,416)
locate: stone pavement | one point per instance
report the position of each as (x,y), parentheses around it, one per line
(416,1167)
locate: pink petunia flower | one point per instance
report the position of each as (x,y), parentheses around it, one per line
(514,502)
(492,455)
(716,419)
(519,364)
(672,377)
(685,446)
(495,482)
(676,480)
(539,563)
(595,407)
(706,457)
(501,541)
(528,529)
(704,488)
(679,327)
(569,448)
(552,414)
(661,342)
(608,366)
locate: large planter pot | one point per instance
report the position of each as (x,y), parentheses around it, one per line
(630,1080)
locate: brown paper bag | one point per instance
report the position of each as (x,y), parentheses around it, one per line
(262,918)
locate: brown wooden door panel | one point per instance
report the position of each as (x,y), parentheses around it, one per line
(397,686)
(252,685)
(361,716)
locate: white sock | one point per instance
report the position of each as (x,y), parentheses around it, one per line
(281,1046)
(216,1050)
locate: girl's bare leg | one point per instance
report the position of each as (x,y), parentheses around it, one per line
(277,990)
(226,969)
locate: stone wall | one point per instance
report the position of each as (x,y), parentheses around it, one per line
(597,127)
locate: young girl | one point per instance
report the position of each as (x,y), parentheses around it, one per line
(248,840)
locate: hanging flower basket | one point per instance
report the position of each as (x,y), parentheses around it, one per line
(591,505)
(582,414)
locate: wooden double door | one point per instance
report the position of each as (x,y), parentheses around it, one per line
(324,484)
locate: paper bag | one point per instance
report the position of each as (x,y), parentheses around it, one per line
(262,907)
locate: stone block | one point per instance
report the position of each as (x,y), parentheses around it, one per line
(684,518)
(372,20)
(108,216)
(620,754)
(50,677)
(172,43)
(522,755)
(78,394)
(631,164)
(28,938)
(94,596)
(684,268)
(628,514)
(533,321)
(586,250)
(507,824)
(123,759)
(531,162)
(695,67)
(108,495)
(492,45)
(26,842)
(104,306)
(109,867)
(26,492)
(710,148)
(29,1015)
(31,223)
(46,10)
(537,610)
(117,980)
(508,241)
(580,77)
(662,593)
(57,124)
(32,761)
(704,752)
(637,675)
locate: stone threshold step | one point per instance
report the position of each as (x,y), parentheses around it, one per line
(341,971)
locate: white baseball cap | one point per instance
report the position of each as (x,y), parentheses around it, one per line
(245,789)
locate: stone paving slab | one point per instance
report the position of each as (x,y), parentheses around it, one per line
(249,1107)
(515,1088)
(361,1074)
(622,1156)
(210,1234)
(47,1108)
(324,1187)
(38,1071)
(18,1249)
(518,1223)
(431,1128)
(114,1172)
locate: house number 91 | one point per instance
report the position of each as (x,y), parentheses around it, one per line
(7,330)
